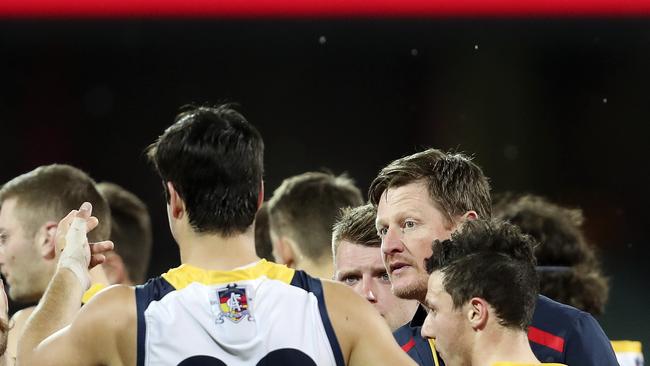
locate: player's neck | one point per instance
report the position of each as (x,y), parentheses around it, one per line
(215,252)
(502,345)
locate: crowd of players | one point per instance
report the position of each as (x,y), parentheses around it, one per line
(457,279)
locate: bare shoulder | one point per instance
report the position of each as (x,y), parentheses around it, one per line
(19,319)
(22,315)
(116,300)
(341,300)
(363,335)
(110,319)
(112,310)
(348,310)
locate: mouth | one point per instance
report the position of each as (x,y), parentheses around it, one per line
(398,267)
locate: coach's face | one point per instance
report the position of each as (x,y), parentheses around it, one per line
(408,222)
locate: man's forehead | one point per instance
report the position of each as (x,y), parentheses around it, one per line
(13,212)
(6,208)
(418,190)
(351,255)
(402,203)
(404,192)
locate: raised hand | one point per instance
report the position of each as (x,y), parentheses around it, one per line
(75,253)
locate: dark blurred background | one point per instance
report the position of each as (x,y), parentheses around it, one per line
(549,106)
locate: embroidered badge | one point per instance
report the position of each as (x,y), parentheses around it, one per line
(233,304)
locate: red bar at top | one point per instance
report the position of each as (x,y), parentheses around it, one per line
(321,8)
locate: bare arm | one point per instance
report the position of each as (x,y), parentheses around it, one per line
(103,332)
(364,336)
(19,319)
(56,310)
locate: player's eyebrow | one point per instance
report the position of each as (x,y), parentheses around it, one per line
(347,273)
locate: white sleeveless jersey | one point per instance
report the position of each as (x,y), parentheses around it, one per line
(263,314)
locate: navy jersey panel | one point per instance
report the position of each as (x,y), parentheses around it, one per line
(409,338)
(310,284)
(583,342)
(154,290)
(417,347)
(570,336)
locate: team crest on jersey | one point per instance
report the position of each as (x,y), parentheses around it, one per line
(233,304)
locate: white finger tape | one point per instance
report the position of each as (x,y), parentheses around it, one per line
(76,253)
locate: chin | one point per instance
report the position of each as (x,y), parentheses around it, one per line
(411,290)
(405,292)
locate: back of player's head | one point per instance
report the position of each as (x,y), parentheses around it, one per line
(568,269)
(455,183)
(491,260)
(356,225)
(263,243)
(50,192)
(305,207)
(214,159)
(130,229)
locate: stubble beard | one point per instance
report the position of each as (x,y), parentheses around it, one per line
(414,290)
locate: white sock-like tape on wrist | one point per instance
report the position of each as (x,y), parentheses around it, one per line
(76,254)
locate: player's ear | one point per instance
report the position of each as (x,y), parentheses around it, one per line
(477,313)
(176,203)
(283,251)
(469,215)
(46,239)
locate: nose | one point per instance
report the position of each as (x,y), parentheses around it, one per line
(427,329)
(391,242)
(367,288)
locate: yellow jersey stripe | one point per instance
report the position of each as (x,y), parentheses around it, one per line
(432,344)
(626,346)
(181,277)
(525,364)
(92,291)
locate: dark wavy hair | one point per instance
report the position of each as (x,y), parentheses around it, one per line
(569,270)
(492,260)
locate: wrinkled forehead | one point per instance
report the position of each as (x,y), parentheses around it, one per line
(356,256)
(398,192)
(411,198)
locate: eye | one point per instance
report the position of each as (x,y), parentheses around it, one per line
(350,280)
(385,278)
(409,224)
(382,232)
